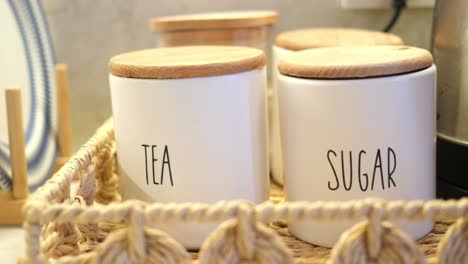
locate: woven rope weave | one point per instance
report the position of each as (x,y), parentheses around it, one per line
(91,224)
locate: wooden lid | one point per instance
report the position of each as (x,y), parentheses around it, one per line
(329,37)
(215,20)
(186,62)
(354,62)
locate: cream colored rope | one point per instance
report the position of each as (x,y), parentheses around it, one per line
(454,247)
(267,212)
(394,246)
(120,232)
(244,240)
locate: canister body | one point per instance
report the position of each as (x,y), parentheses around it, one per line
(276,155)
(192,140)
(357,138)
(257,37)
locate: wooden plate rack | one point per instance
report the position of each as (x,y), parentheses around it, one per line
(11,202)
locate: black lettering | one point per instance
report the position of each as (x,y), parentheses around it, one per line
(343,174)
(168,162)
(334,172)
(154,161)
(391,171)
(146,162)
(378,164)
(364,174)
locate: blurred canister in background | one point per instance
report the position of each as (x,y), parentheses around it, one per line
(190,126)
(247,28)
(301,39)
(357,122)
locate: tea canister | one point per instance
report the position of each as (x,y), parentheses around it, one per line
(190,126)
(357,122)
(301,39)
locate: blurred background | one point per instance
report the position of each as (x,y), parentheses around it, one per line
(86,33)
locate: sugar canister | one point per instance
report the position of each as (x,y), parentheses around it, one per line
(357,122)
(301,39)
(190,126)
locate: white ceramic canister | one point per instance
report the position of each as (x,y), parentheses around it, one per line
(190,125)
(301,39)
(357,122)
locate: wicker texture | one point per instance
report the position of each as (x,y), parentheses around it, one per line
(91,225)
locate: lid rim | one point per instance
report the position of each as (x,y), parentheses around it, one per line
(211,20)
(186,62)
(358,78)
(207,29)
(357,62)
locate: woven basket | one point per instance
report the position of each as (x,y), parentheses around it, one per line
(77,217)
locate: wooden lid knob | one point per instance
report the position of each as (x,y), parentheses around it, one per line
(215,20)
(186,62)
(354,62)
(329,37)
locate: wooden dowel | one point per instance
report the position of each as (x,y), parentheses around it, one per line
(63,109)
(16,140)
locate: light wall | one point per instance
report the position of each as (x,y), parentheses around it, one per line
(87,33)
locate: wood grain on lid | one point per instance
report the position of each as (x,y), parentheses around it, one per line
(186,62)
(214,20)
(329,37)
(354,62)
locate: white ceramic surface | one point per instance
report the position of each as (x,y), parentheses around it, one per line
(27,61)
(387,126)
(276,157)
(209,140)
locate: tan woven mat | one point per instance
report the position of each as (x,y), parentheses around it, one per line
(307,253)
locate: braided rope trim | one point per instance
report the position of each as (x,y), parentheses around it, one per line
(80,162)
(53,213)
(266,212)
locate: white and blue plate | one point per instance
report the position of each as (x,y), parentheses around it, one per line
(27,61)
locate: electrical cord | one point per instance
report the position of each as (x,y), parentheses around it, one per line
(398,6)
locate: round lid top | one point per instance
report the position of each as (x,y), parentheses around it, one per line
(354,62)
(186,62)
(329,37)
(215,20)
